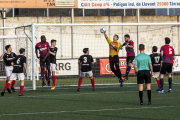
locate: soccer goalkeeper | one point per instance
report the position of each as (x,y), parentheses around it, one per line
(114,47)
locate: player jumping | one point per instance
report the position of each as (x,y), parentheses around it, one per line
(18,64)
(8,56)
(53,51)
(156,63)
(142,68)
(43,48)
(129,44)
(86,61)
(114,47)
(168,56)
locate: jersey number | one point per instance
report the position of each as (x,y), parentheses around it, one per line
(18,61)
(157,59)
(170,50)
(85,59)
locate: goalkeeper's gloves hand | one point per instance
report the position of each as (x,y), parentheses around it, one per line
(103,30)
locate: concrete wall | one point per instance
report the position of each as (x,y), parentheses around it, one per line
(89,36)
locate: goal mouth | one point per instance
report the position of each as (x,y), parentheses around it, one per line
(72,38)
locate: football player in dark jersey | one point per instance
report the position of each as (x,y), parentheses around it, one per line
(86,61)
(53,51)
(8,56)
(156,59)
(43,48)
(18,64)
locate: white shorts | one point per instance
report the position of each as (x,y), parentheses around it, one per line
(53,67)
(89,73)
(15,75)
(156,74)
(8,70)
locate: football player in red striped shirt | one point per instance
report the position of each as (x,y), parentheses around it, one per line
(168,56)
(129,44)
(44,48)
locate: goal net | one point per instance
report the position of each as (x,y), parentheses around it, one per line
(72,38)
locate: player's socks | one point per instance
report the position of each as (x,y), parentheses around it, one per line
(127,71)
(158,82)
(42,76)
(7,81)
(92,82)
(13,83)
(149,96)
(49,75)
(21,89)
(45,73)
(6,87)
(170,83)
(80,81)
(141,96)
(161,83)
(54,80)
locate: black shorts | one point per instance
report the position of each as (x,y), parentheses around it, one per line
(143,75)
(130,59)
(47,61)
(114,59)
(166,67)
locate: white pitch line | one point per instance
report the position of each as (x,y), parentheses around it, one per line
(100,110)
(73,94)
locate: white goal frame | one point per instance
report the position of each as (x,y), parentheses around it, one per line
(97,24)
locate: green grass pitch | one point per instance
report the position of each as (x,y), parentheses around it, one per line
(108,102)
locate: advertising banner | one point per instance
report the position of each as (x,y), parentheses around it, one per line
(131,4)
(105,66)
(176,65)
(38,3)
(66,67)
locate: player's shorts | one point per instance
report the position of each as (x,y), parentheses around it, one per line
(130,59)
(8,70)
(166,67)
(89,73)
(53,67)
(15,75)
(47,61)
(113,59)
(142,76)
(156,74)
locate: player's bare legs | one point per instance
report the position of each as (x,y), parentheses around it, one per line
(141,93)
(21,88)
(54,80)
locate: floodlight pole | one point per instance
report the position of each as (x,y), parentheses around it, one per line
(137,17)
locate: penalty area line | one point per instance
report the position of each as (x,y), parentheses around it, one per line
(100,110)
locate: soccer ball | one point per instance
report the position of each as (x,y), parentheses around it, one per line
(103,30)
